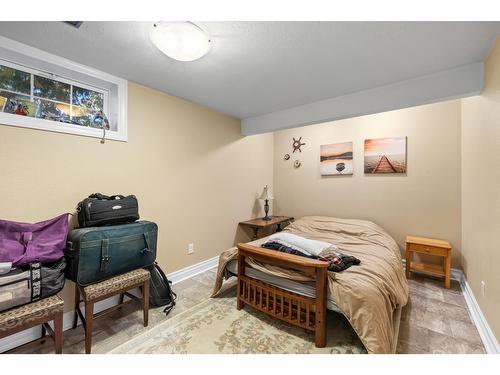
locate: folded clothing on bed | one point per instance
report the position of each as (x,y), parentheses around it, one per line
(336,261)
(340,262)
(301,244)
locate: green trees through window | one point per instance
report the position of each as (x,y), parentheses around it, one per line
(15,86)
(33,95)
(50,89)
(15,80)
(86,103)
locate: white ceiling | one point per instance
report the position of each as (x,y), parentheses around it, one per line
(256,68)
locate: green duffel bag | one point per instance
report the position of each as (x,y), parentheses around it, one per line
(98,253)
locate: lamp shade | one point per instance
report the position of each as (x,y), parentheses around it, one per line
(266,195)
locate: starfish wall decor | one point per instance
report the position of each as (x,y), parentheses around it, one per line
(297,144)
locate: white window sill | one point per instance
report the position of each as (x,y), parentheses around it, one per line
(59,127)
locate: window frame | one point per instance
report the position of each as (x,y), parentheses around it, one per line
(117,115)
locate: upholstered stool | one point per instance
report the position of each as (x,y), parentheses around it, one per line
(34,314)
(96,292)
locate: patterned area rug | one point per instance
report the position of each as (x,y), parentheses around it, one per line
(215,326)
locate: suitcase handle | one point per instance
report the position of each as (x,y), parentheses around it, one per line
(146,239)
(105,257)
(106,197)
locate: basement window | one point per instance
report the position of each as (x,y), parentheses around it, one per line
(43,91)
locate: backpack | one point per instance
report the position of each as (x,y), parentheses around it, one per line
(160,291)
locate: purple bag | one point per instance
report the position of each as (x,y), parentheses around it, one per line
(22,243)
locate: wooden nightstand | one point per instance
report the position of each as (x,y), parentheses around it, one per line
(257,224)
(429,246)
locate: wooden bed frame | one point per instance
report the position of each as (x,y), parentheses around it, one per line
(296,309)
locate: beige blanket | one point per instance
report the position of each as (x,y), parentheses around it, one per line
(367,294)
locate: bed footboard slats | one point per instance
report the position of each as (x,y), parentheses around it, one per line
(290,307)
(306,312)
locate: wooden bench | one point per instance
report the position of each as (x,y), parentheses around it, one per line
(118,285)
(34,314)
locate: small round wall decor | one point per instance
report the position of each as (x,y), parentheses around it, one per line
(286,157)
(297,163)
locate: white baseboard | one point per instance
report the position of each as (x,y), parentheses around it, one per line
(34,333)
(191,271)
(487,336)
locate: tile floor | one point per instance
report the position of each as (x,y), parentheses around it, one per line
(435,320)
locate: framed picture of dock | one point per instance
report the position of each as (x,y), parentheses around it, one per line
(385,155)
(336,159)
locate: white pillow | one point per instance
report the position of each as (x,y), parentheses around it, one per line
(304,245)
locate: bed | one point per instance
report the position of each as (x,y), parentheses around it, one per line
(299,290)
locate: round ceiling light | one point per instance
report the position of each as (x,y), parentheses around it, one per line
(183,41)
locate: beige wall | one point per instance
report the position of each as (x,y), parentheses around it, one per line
(196,176)
(481,191)
(425,201)
(191,169)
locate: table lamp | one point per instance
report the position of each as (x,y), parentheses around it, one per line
(266,197)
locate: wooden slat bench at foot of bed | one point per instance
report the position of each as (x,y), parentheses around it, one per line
(302,311)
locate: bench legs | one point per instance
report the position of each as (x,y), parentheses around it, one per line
(77,303)
(145,302)
(120,302)
(58,332)
(89,316)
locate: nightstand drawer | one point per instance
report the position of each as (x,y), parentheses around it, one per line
(425,249)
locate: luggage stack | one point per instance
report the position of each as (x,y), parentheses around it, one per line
(32,262)
(110,240)
(35,258)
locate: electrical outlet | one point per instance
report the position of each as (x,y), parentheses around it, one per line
(190,248)
(483,288)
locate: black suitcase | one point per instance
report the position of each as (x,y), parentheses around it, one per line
(99,253)
(99,209)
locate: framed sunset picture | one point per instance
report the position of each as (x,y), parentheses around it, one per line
(385,155)
(336,159)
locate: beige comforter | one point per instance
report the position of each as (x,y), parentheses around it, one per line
(367,294)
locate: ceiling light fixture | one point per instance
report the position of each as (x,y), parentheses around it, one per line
(183,41)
